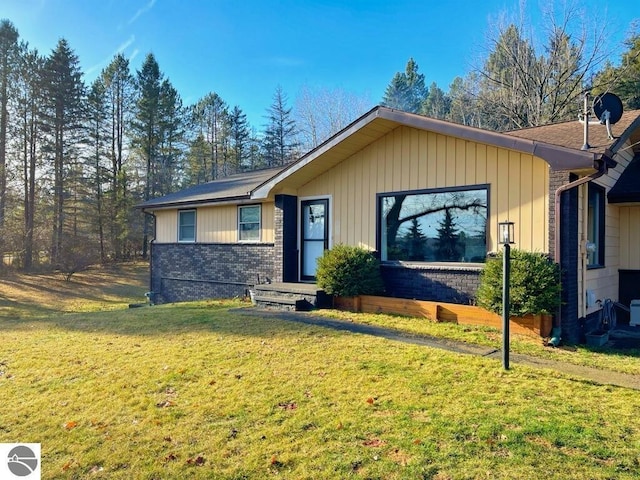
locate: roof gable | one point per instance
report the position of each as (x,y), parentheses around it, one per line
(381,120)
(560,145)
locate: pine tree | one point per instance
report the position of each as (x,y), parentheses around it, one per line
(98,134)
(146,130)
(507,79)
(240,136)
(8,68)
(280,145)
(407,90)
(64,119)
(463,107)
(171,137)
(415,241)
(447,239)
(437,104)
(146,123)
(623,80)
(210,115)
(27,107)
(196,159)
(119,102)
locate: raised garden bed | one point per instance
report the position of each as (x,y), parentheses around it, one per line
(532,325)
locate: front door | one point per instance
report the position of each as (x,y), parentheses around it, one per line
(314,235)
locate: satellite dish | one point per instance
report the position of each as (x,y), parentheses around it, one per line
(607,105)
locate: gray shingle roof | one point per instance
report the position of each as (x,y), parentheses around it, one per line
(234,187)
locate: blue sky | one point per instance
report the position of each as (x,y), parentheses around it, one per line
(244,49)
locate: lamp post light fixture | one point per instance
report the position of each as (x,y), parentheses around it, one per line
(506,238)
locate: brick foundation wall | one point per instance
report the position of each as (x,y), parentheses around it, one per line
(183,272)
(450,283)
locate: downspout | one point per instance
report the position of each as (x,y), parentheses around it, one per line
(603,167)
(151,294)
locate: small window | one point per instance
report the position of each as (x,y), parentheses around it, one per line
(187,226)
(595,227)
(249,223)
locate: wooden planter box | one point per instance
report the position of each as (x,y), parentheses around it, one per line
(347,304)
(532,325)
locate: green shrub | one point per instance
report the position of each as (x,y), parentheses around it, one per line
(348,271)
(535,284)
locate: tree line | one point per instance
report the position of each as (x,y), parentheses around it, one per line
(526,81)
(76,158)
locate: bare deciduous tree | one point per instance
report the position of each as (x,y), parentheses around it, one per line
(524,81)
(322,112)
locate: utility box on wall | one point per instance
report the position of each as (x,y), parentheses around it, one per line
(635,313)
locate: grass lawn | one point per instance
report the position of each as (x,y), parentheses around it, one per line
(198,391)
(624,361)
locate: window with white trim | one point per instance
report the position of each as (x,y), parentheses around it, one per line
(595,226)
(186,226)
(249,224)
(435,225)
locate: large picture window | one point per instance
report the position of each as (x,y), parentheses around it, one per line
(187,226)
(595,227)
(440,225)
(249,223)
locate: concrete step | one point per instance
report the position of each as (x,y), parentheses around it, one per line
(292,296)
(298,304)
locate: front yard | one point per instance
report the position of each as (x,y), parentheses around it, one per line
(198,391)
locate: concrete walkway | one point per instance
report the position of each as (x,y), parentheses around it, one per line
(599,376)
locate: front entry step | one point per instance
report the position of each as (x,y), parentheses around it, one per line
(283,303)
(290,296)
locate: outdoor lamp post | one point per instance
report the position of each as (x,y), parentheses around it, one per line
(505,237)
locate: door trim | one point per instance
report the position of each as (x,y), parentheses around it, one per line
(328,231)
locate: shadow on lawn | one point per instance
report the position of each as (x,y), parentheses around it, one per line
(236,319)
(171,319)
(34,295)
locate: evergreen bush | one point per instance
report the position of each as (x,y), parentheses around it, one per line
(348,271)
(534,284)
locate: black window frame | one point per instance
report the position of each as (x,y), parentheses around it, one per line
(379,221)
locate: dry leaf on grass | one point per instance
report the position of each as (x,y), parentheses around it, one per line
(70,425)
(288,405)
(197,461)
(374,442)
